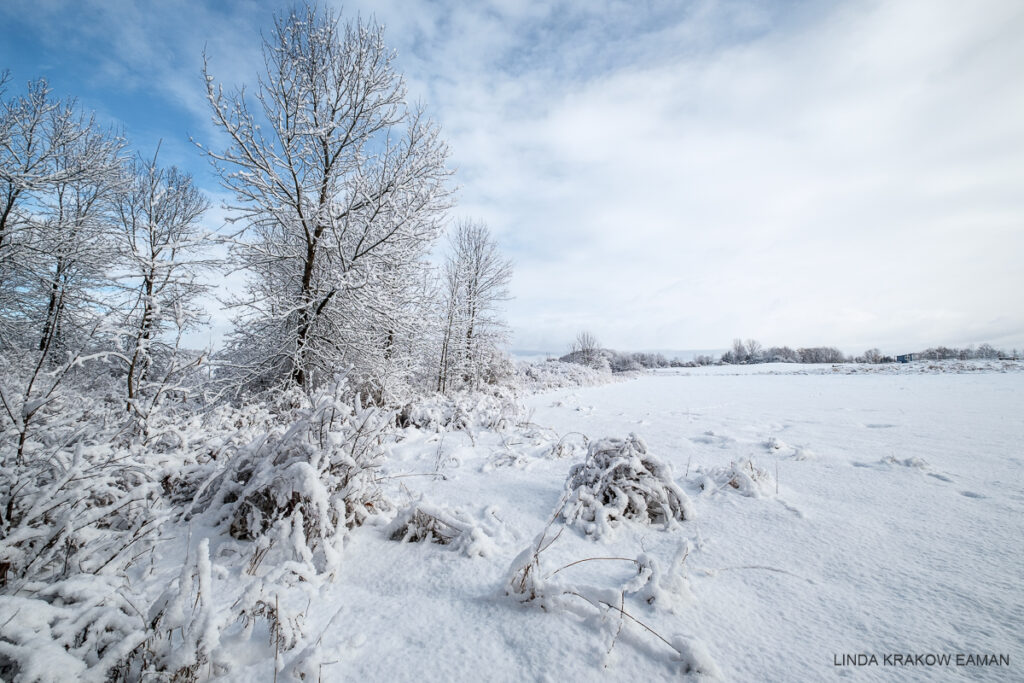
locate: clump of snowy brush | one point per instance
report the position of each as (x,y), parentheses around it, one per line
(743,477)
(83,496)
(76,521)
(80,525)
(569,445)
(421,521)
(314,479)
(556,374)
(620,479)
(651,586)
(498,409)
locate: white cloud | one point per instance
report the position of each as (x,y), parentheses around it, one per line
(675,176)
(851,179)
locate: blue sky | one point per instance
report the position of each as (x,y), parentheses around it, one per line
(664,174)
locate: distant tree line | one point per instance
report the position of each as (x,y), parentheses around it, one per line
(751,351)
(983,352)
(585,350)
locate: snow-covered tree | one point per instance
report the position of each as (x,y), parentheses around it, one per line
(754,351)
(58,171)
(475,282)
(987,352)
(162,250)
(586,350)
(739,351)
(873,356)
(340,185)
(70,238)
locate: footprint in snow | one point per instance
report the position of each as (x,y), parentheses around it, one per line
(795,510)
(912,463)
(972,494)
(880,425)
(710,437)
(801,453)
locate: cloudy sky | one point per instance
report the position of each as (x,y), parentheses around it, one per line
(666,175)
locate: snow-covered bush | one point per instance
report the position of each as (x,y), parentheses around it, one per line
(423,522)
(74,511)
(185,626)
(83,628)
(308,483)
(913,462)
(569,445)
(525,581)
(556,374)
(620,480)
(695,658)
(528,581)
(744,477)
(496,406)
(497,409)
(659,586)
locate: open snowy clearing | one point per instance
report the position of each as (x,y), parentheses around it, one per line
(895,529)
(799,523)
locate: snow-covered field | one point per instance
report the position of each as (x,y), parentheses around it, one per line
(894,527)
(860,521)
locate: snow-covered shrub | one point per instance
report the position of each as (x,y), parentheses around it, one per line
(695,658)
(556,374)
(498,409)
(662,587)
(912,462)
(569,445)
(654,584)
(46,406)
(529,582)
(620,480)
(525,581)
(306,484)
(192,625)
(78,629)
(74,511)
(185,627)
(495,406)
(74,526)
(744,477)
(423,522)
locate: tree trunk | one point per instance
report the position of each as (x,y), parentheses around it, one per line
(305,319)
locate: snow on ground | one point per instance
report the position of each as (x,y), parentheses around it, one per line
(818,515)
(896,527)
